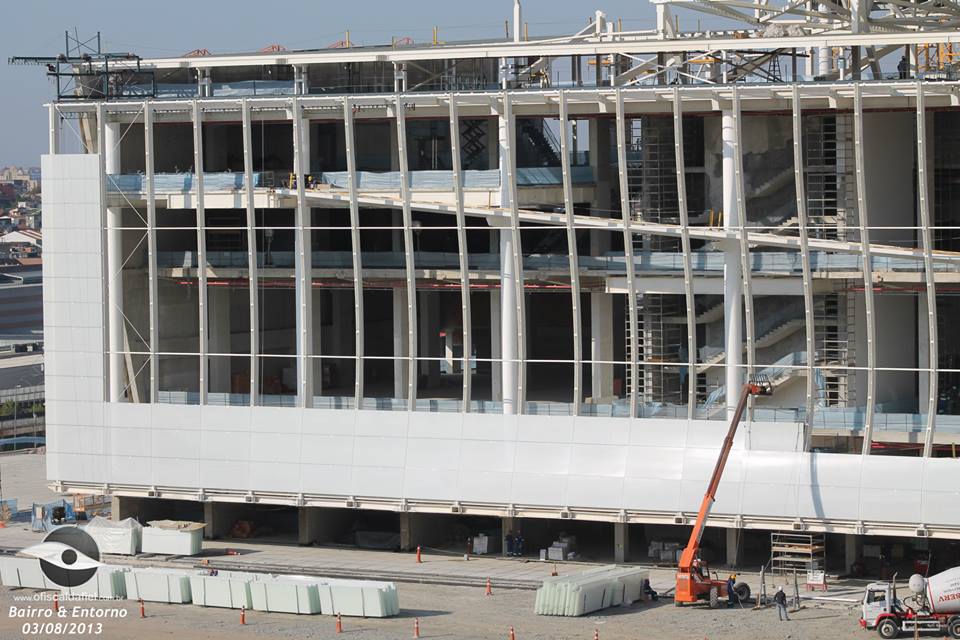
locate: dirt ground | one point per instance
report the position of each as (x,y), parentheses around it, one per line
(447,612)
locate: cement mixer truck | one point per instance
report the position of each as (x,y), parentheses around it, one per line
(932,606)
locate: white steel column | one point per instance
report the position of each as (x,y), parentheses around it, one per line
(109,135)
(355,250)
(628,250)
(863,220)
(685,247)
(151,245)
(409,261)
(53,131)
(572,257)
(808,315)
(926,243)
(732,271)
(462,249)
(744,251)
(303,262)
(201,246)
(251,249)
(511,270)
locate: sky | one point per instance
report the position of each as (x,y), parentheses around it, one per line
(174,27)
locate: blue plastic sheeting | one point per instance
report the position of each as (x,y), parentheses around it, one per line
(179,182)
(42,513)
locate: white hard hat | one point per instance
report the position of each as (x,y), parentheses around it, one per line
(779,588)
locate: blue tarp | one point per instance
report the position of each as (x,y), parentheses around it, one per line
(42,513)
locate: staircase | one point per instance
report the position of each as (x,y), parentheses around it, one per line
(542,141)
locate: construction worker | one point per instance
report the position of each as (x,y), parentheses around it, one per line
(731,593)
(780,599)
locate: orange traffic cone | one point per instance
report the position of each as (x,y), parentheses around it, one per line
(243,615)
(596,634)
(56,603)
(416,627)
(418,554)
(142,612)
(339,624)
(554,572)
(489,591)
(513,636)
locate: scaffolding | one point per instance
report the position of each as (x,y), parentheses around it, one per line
(790,552)
(828,172)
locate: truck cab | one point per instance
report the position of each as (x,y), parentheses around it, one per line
(876,606)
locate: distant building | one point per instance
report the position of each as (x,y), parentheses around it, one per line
(30,237)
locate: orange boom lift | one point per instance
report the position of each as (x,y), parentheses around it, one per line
(693,575)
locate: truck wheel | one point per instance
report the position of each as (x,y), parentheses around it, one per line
(714,598)
(742,591)
(888,629)
(953,627)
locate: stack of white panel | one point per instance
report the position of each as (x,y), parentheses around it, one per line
(108,583)
(592,590)
(23,572)
(286,594)
(365,598)
(158,585)
(227,589)
(116,537)
(173,537)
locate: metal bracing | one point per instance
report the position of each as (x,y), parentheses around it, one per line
(572,255)
(517,258)
(685,247)
(462,251)
(253,281)
(355,249)
(409,261)
(626,223)
(197,119)
(303,260)
(809,323)
(926,243)
(154,306)
(863,221)
(745,267)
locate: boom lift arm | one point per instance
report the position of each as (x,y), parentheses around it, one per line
(694,585)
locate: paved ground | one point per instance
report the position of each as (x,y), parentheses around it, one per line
(22,476)
(456,612)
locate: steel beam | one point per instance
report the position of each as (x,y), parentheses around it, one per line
(863,220)
(572,255)
(626,225)
(303,261)
(152,275)
(745,267)
(800,185)
(197,119)
(251,250)
(355,248)
(685,248)
(462,249)
(409,262)
(926,242)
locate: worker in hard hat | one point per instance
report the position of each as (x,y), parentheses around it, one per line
(780,599)
(731,593)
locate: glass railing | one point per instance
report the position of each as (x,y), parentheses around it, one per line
(182,182)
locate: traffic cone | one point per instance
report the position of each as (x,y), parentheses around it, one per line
(142,612)
(56,602)
(339,624)
(243,615)
(418,555)
(596,634)
(554,572)
(513,636)
(489,591)
(416,627)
